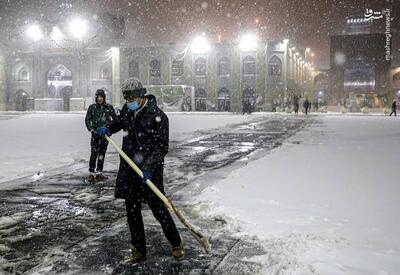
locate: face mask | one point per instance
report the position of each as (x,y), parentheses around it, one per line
(133,105)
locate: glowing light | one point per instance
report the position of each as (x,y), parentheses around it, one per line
(34,32)
(200,45)
(248,42)
(78,28)
(56,34)
(114,50)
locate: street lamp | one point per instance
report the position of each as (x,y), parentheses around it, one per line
(200,45)
(78,28)
(34,32)
(56,34)
(248,43)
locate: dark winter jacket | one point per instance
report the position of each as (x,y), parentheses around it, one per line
(306,104)
(394,106)
(145,141)
(99,116)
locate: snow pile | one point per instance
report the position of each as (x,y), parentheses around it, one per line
(325,202)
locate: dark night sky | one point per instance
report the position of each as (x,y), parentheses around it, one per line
(307,23)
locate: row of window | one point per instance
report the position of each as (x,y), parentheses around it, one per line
(200,67)
(177,68)
(57,72)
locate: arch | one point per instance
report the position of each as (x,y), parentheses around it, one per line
(275,66)
(133,69)
(21,100)
(224,104)
(200,66)
(66,91)
(224,67)
(21,72)
(200,99)
(155,72)
(177,68)
(155,68)
(58,77)
(59,72)
(105,71)
(249,65)
(66,94)
(249,99)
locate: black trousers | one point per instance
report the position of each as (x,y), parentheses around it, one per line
(97,153)
(143,193)
(393,112)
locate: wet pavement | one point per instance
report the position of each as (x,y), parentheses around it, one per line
(60,224)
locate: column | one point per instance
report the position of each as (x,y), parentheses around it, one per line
(116,89)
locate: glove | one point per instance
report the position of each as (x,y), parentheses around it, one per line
(146,175)
(102,131)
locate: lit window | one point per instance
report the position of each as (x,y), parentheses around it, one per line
(200,67)
(249,65)
(177,69)
(224,67)
(275,66)
(134,69)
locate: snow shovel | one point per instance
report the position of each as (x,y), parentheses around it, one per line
(168,202)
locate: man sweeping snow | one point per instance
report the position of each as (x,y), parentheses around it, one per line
(99,114)
(146,143)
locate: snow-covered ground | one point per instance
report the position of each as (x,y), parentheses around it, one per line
(326,202)
(39,142)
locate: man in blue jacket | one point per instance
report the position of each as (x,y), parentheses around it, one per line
(145,141)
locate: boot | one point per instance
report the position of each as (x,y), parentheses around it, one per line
(136,257)
(178,251)
(101,177)
(92,178)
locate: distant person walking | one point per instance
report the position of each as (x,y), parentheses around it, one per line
(316,106)
(296,105)
(394,108)
(306,105)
